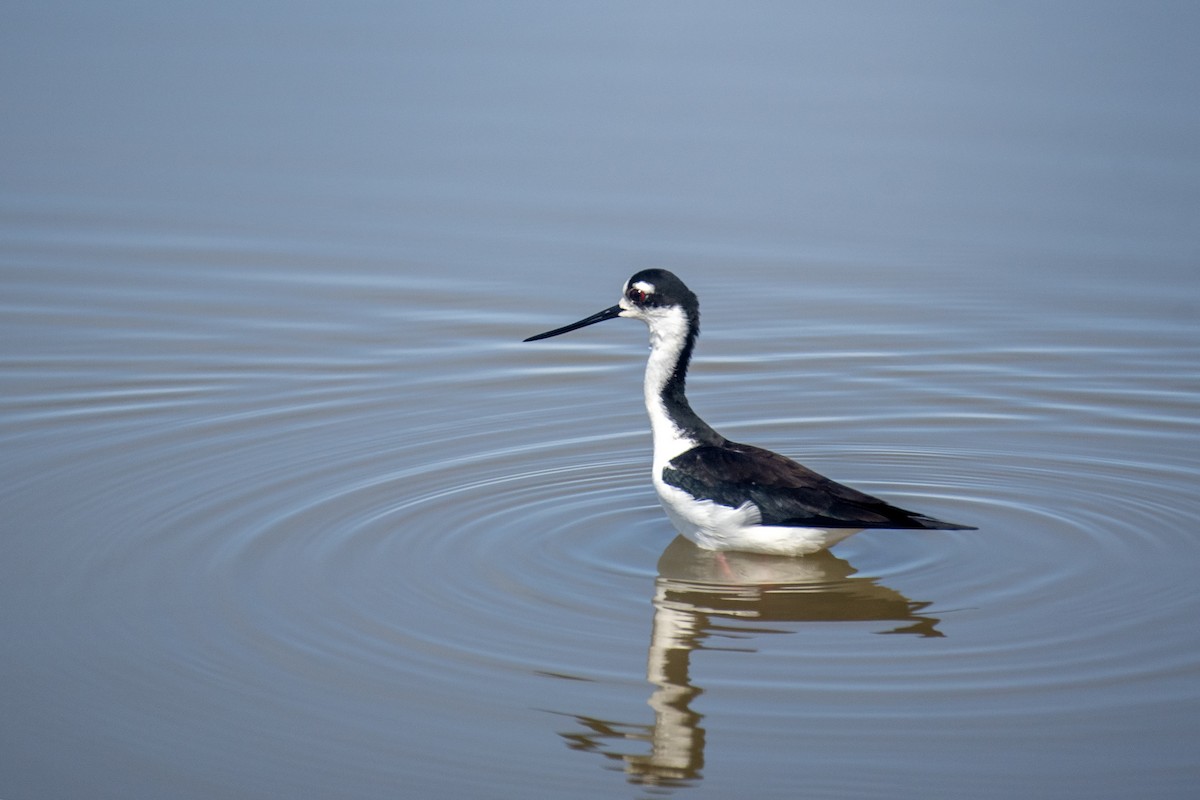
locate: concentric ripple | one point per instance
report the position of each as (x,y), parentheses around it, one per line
(325,549)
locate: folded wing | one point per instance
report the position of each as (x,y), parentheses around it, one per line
(785,492)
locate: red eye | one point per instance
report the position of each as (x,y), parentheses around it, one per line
(637,295)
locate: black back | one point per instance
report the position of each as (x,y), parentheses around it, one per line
(787,493)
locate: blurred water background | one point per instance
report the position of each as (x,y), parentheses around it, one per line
(290,512)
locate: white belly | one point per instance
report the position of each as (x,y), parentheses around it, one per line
(717,527)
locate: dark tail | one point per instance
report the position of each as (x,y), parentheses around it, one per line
(929,523)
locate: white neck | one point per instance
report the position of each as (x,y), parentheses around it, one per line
(668,334)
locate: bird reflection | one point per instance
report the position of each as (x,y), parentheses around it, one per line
(700,595)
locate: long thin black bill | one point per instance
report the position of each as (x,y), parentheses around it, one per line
(608,313)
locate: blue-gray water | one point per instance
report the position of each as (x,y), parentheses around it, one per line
(290,512)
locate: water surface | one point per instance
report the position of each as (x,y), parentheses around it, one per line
(290,511)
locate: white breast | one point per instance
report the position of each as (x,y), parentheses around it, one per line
(716,527)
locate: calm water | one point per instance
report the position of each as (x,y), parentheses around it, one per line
(290,512)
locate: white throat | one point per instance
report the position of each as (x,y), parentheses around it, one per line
(668,336)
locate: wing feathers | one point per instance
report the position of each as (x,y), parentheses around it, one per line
(787,493)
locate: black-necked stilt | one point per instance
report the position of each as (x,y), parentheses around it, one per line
(720,494)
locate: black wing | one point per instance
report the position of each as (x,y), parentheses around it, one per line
(786,493)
